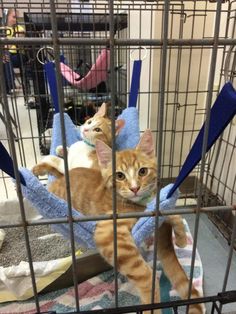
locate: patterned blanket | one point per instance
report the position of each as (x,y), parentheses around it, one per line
(98,292)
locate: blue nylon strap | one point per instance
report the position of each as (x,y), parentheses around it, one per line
(62,59)
(222,112)
(6,164)
(49,68)
(135,83)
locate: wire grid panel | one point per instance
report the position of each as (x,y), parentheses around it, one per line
(173,105)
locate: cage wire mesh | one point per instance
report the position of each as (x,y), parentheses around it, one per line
(196,42)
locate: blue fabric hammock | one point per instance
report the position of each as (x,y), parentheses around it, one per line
(50,206)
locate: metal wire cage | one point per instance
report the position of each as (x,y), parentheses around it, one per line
(190,54)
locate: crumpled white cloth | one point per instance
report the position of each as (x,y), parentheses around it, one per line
(10,211)
(15,281)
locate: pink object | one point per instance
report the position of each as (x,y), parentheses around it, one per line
(97,74)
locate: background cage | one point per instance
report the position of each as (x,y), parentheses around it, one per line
(196,41)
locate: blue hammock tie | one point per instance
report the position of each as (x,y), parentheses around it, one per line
(222,113)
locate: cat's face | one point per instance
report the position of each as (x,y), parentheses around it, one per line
(135,169)
(96,128)
(135,175)
(99,127)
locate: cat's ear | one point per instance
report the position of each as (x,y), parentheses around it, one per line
(104,153)
(102,111)
(146,143)
(119,125)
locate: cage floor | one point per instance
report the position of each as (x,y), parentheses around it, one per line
(214,249)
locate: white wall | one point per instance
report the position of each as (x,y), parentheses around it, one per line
(223,171)
(191,76)
(187,71)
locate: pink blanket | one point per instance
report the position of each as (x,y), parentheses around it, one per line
(97,74)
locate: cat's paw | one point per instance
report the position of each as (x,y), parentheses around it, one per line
(197,309)
(39,169)
(181,240)
(60,151)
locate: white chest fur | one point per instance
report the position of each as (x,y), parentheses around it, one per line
(78,155)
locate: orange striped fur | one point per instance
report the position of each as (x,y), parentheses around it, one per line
(91,193)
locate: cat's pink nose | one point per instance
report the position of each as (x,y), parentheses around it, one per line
(135,189)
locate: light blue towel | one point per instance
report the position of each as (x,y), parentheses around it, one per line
(51,206)
(72,132)
(145,226)
(127,138)
(130,134)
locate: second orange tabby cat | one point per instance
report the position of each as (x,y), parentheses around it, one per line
(82,153)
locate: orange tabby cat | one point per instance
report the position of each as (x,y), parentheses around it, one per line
(91,193)
(82,153)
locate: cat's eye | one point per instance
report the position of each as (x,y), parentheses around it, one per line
(89,122)
(97,130)
(120,176)
(143,172)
